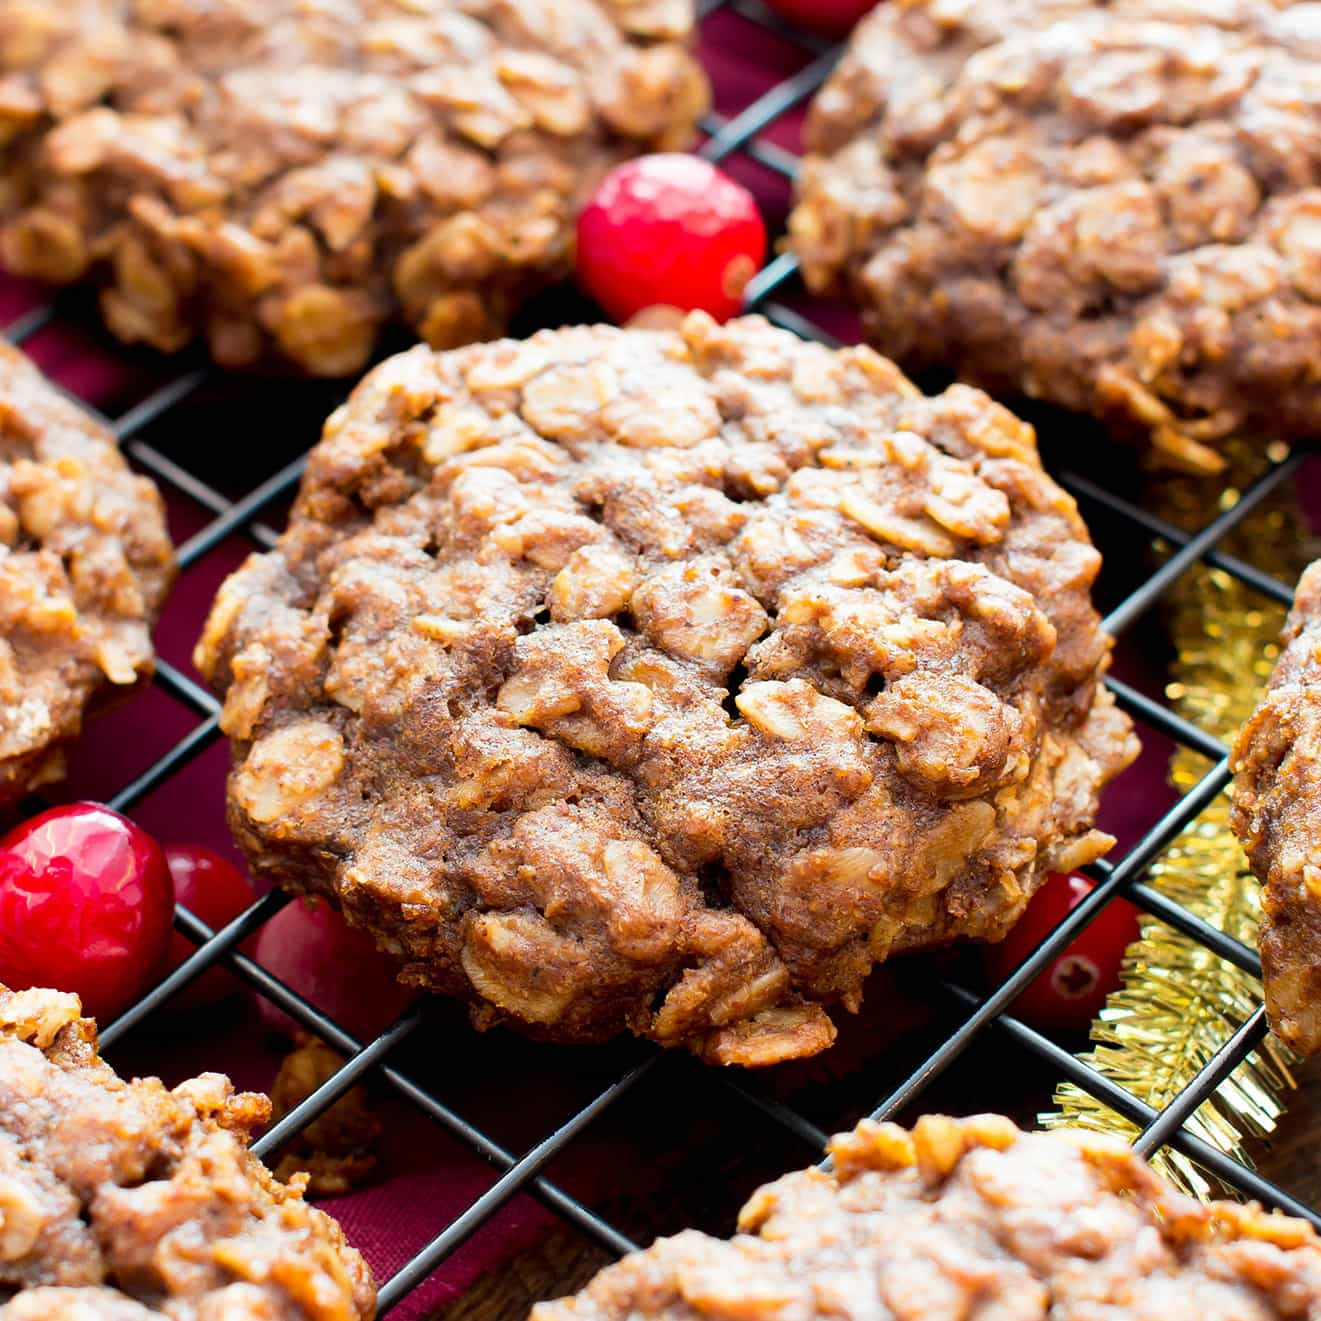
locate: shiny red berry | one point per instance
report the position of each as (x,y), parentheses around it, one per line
(669,230)
(213,889)
(1071,991)
(86,905)
(831,18)
(334,966)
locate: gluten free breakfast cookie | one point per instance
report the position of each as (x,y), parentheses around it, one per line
(1113,207)
(85,562)
(667,681)
(970,1217)
(126,1201)
(1277,816)
(284,177)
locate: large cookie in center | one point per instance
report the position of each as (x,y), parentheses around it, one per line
(667,681)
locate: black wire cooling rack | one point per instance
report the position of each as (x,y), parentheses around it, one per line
(748,135)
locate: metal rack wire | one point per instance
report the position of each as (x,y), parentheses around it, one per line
(743,134)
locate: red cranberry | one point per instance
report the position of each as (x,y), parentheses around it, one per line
(213,889)
(334,966)
(1071,990)
(831,18)
(86,905)
(669,230)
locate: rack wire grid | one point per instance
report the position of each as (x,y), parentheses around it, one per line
(755,134)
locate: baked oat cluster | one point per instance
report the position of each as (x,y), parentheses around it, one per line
(967,1218)
(85,562)
(283,177)
(1277,816)
(667,681)
(123,1201)
(1112,207)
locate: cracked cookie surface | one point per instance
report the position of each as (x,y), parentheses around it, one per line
(970,1217)
(1110,207)
(85,563)
(284,177)
(124,1201)
(667,681)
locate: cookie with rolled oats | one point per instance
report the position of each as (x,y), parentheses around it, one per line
(284,177)
(1277,817)
(965,1217)
(85,563)
(666,681)
(1112,207)
(127,1201)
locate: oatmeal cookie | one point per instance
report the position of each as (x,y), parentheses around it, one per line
(667,681)
(122,1201)
(1110,207)
(85,562)
(1277,816)
(964,1218)
(284,177)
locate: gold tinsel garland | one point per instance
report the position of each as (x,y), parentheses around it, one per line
(1178,1002)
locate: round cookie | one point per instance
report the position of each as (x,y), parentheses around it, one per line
(667,681)
(284,177)
(85,563)
(1110,207)
(1277,817)
(964,1218)
(124,1201)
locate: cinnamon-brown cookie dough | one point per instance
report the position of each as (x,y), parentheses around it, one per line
(666,682)
(283,177)
(85,562)
(1113,207)
(1277,816)
(970,1218)
(123,1201)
